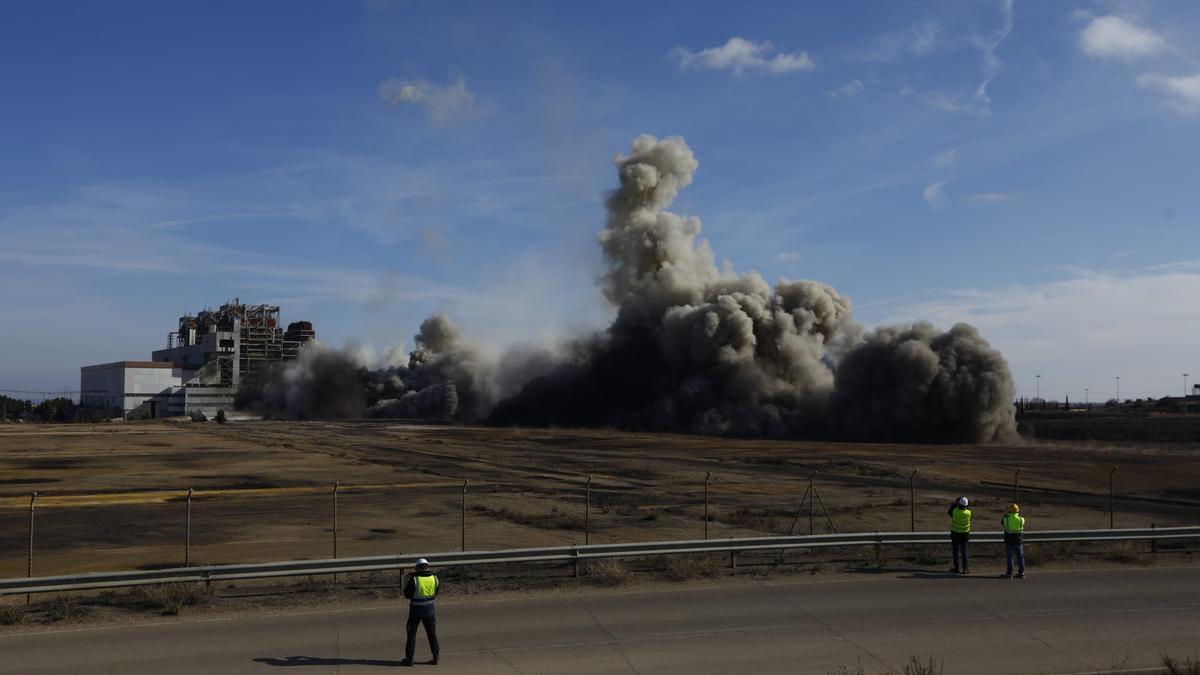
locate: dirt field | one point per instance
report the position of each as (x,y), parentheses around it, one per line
(114,497)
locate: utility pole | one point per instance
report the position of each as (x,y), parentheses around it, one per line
(1118,390)
(1039,389)
(1185,377)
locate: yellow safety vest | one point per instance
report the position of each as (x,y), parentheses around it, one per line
(424,589)
(960,520)
(1013,523)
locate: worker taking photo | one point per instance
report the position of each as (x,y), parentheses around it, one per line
(421,589)
(1013,525)
(960,533)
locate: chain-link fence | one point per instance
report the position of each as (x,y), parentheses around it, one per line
(50,535)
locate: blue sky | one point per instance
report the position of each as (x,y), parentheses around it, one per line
(1029,168)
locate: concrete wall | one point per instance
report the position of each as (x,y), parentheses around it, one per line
(135,386)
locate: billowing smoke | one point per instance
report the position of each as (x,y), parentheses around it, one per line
(321,383)
(695,347)
(443,379)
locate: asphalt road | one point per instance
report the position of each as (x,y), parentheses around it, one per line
(1054,622)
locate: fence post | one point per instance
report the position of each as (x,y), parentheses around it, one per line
(187,541)
(707,475)
(912,501)
(587,512)
(464,514)
(336,485)
(29,561)
(1017,486)
(812,504)
(1110,497)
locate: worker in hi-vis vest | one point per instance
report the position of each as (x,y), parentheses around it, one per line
(421,589)
(1014,527)
(960,533)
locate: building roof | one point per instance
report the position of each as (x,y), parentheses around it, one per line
(167,365)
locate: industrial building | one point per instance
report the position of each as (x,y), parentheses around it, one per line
(207,358)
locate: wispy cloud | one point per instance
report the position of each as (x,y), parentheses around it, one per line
(935,196)
(442,101)
(945,159)
(1182,93)
(1118,37)
(739,55)
(979,101)
(987,47)
(985,198)
(849,90)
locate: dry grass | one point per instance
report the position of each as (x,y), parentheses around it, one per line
(695,566)
(607,571)
(64,608)
(11,615)
(551,520)
(1047,552)
(928,666)
(170,599)
(1188,666)
(1128,552)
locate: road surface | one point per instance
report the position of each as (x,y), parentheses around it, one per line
(1053,622)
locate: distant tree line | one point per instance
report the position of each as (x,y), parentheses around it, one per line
(59,410)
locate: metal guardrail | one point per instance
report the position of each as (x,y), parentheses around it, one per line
(209,573)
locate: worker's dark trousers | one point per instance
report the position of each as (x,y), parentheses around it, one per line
(1014,547)
(417,615)
(958,544)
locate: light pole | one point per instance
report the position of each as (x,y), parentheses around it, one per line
(1118,390)
(1185,376)
(1039,389)
(1085,397)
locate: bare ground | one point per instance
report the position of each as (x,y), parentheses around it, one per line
(114,496)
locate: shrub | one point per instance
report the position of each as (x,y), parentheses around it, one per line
(607,571)
(221,419)
(1188,666)
(170,599)
(916,666)
(10,615)
(62,608)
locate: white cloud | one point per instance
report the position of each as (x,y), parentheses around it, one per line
(921,39)
(442,102)
(1182,93)
(945,159)
(739,55)
(848,90)
(935,196)
(984,198)
(1114,36)
(1084,331)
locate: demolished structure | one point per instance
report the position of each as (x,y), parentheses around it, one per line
(206,361)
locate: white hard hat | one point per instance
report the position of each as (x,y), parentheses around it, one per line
(421,562)
(962,501)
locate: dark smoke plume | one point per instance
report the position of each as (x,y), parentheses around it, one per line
(697,348)
(694,347)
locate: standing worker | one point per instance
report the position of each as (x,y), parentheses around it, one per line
(1014,527)
(960,532)
(421,589)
